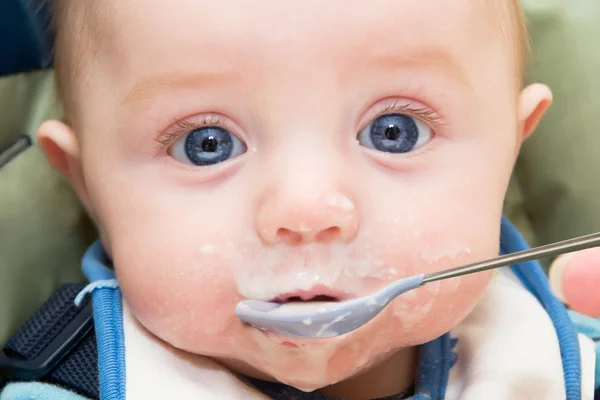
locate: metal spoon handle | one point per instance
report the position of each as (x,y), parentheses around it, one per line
(550,250)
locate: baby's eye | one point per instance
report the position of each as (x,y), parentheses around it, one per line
(395,133)
(207,146)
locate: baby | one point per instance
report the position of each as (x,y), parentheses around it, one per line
(300,150)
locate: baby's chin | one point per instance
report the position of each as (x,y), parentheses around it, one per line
(313,364)
(327,367)
(307,365)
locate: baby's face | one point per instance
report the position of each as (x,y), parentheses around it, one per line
(276,149)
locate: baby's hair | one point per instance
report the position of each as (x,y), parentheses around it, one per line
(77,25)
(76,30)
(512,24)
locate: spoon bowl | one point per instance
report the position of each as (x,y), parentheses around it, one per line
(322,319)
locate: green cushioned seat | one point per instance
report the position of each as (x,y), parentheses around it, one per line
(43,229)
(559,167)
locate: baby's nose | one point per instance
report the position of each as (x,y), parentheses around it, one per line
(308,220)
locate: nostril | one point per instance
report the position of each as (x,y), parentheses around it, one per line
(329,234)
(290,237)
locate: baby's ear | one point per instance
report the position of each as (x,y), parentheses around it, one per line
(533,104)
(61,147)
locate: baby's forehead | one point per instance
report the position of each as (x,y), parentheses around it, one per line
(138,34)
(273,18)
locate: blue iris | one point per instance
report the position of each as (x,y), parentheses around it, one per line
(210,145)
(391,133)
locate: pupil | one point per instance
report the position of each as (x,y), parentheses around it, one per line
(210,144)
(392,132)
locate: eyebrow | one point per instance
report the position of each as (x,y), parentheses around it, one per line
(151,86)
(432,57)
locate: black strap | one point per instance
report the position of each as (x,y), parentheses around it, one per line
(78,371)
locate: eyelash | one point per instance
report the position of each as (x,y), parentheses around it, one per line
(427,115)
(182,127)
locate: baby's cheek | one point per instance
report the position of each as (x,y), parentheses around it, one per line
(188,303)
(430,311)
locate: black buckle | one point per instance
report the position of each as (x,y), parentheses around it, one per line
(52,355)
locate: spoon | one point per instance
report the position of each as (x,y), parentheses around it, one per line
(312,320)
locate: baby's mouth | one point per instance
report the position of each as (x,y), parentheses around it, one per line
(315,294)
(298,299)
